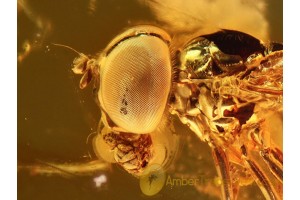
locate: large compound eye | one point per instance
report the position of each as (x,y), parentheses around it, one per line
(135,80)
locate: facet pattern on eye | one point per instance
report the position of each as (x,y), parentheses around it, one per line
(135,81)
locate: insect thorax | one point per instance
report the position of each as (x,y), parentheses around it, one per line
(222,93)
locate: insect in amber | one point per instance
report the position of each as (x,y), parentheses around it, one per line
(223,86)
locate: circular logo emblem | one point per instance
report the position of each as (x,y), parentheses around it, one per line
(152,180)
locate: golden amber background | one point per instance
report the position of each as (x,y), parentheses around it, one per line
(55,117)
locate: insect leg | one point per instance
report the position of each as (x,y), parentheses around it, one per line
(262,181)
(260,177)
(222,166)
(273,158)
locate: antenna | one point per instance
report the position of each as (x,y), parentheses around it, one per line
(65,46)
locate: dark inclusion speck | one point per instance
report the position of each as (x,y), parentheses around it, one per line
(124,102)
(123,110)
(242,114)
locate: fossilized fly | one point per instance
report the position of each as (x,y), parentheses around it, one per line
(222,85)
